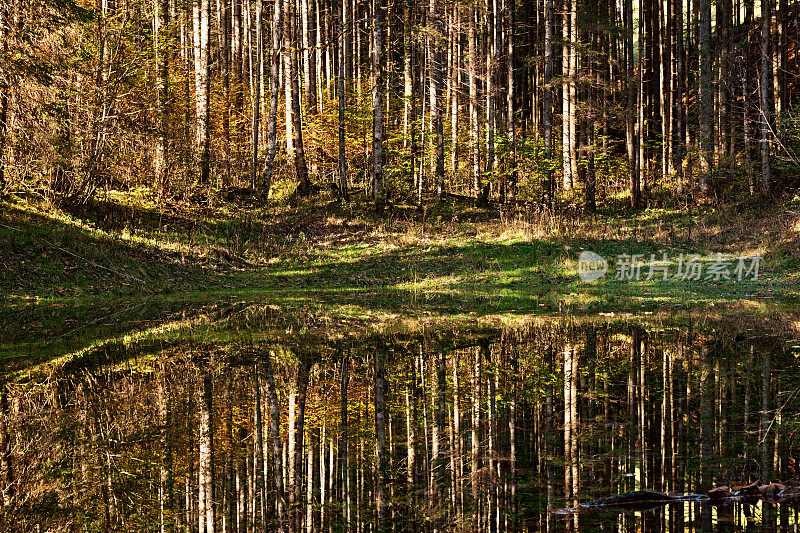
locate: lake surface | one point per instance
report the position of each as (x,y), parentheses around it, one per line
(244,416)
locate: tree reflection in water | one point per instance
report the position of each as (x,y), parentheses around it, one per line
(249,424)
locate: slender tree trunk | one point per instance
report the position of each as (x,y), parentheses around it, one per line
(436,57)
(223,28)
(407,76)
(455,88)
(259,463)
(706,96)
(630,131)
(342,166)
(566,167)
(473,104)
(297,411)
(573,91)
(165,486)
(309,55)
(202,77)
(378,188)
(277,443)
(547,100)
(293,102)
(492,59)
(275,93)
(160,24)
(475,433)
(766,100)
(256,96)
(510,110)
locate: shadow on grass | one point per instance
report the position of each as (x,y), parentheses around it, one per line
(43,257)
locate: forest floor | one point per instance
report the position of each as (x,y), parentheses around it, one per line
(449,259)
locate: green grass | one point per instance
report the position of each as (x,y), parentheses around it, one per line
(449,259)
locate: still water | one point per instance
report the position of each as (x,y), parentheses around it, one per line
(257,419)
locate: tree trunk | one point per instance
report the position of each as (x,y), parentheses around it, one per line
(630,132)
(573,92)
(706,96)
(256,96)
(275,93)
(342,166)
(309,55)
(259,464)
(165,485)
(766,100)
(202,79)
(436,57)
(378,188)
(160,24)
(297,412)
(566,136)
(293,102)
(510,188)
(547,100)
(473,104)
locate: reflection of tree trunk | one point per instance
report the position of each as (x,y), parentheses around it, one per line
(343,442)
(316,479)
(457,440)
(259,464)
(665,413)
(512,436)
(411,456)
(707,429)
(297,412)
(342,167)
(475,444)
(439,452)
(473,103)
(241,488)
(494,465)
(6,466)
(205,507)
(766,471)
(165,474)
(549,436)
(380,438)
(569,353)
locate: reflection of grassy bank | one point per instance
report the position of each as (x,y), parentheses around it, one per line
(148,325)
(451,259)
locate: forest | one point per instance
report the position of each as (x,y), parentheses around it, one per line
(562,103)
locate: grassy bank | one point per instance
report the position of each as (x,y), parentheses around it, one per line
(449,258)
